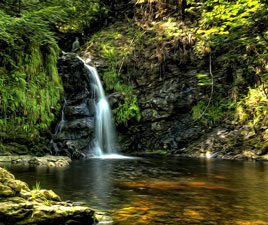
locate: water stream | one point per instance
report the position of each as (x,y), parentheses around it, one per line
(62,121)
(59,127)
(154,190)
(105,141)
(161,190)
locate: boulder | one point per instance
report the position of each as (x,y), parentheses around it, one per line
(76,129)
(20,205)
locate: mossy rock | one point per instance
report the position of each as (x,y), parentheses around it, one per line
(48,160)
(9,186)
(13,148)
(19,205)
(6,191)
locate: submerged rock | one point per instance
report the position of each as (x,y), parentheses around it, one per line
(20,205)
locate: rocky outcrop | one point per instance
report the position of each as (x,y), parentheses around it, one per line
(167,85)
(20,205)
(165,103)
(48,160)
(74,132)
(228,142)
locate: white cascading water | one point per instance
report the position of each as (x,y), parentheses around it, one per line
(59,126)
(62,121)
(105,141)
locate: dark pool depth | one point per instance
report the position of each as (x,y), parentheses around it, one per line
(161,190)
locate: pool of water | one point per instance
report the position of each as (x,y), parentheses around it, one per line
(161,190)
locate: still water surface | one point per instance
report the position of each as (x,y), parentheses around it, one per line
(161,190)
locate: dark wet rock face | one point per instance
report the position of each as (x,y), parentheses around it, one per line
(165,103)
(76,130)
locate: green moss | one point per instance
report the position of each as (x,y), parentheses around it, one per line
(37,186)
(252,109)
(210,115)
(115,46)
(30,94)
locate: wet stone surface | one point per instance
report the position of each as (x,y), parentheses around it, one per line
(20,205)
(76,127)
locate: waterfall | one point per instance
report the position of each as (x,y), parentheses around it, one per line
(62,121)
(58,128)
(105,141)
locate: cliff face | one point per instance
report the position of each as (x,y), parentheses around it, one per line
(74,131)
(166,87)
(171,92)
(165,101)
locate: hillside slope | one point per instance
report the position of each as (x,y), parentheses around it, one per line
(187,79)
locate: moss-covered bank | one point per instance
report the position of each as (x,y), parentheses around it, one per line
(20,205)
(30,98)
(30,87)
(48,160)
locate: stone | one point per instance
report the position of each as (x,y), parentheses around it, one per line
(77,131)
(80,110)
(48,160)
(6,190)
(20,206)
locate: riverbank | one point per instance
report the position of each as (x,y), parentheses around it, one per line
(21,205)
(161,190)
(48,160)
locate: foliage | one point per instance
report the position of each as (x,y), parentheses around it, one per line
(30,93)
(203,79)
(253,109)
(62,15)
(82,15)
(238,30)
(127,110)
(112,45)
(212,116)
(236,33)
(37,186)
(30,87)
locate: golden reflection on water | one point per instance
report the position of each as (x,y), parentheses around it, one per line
(147,212)
(160,211)
(175,185)
(155,212)
(165,191)
(257,222)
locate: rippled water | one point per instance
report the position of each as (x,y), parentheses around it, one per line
(161,190)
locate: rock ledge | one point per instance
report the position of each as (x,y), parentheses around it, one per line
(20,205)
(49,160)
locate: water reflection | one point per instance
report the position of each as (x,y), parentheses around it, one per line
(162,190)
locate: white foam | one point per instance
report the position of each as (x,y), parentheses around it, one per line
(114,156)
(105,139)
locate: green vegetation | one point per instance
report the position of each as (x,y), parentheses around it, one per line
(237,32)
(229,35)
(252,109)
(115,47)
(37,186)
(210,117)
(30,87)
